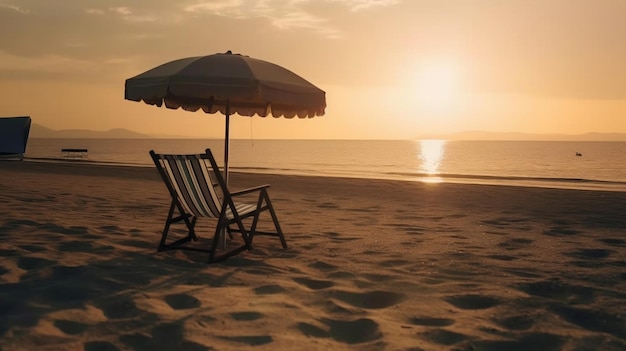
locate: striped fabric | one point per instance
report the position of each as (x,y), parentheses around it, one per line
(242,209)
(197,189)
(190,177)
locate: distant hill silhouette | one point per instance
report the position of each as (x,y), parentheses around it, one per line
(39,131)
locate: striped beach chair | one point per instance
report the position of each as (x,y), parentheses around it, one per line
(198,190)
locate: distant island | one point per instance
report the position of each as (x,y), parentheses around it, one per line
(39,131)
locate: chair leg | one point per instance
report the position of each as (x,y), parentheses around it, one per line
(216,238)
(255,221)
(192,228)
(279,231)
(246,235)
(264,197)
(213,257)
(230,233)
(167,227)
(191,235)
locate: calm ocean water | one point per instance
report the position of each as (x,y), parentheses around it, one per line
(533,163)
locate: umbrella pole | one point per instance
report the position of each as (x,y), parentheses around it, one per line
(227,141)
(226,153)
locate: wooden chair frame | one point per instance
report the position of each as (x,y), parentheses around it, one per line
(198,189)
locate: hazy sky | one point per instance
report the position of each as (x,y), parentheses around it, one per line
(390,68)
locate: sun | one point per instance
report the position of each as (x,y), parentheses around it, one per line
(436,84)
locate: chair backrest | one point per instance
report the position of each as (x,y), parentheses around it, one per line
(194,180)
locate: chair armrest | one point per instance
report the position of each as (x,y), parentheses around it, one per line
(249,190)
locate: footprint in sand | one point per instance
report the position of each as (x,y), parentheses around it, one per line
(378,278)
(99,346)
(28,263)
(335,310)
(135,341)
(502,257)
(515,243)
(323,266)
(269,289)
(252,340)
(314,284)
(82,246)
(167,336)
(613,242)
(472,302)
(561,231)
(10,225)
(370,300)
(110,228)
(77,230)
(590,253)
(518,322)
(246,316)
(349,332)
(338,239)
(136,243)
(341,275)
(525,273)
(534,341)
(506,221)
(75,246)
(394,263)
(120,307)
(70,327)
(182,301)
(33,248)
(593,320)
(558,290)
(8,253)
(431,322)
(444,337)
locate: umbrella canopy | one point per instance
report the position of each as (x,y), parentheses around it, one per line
(228,83)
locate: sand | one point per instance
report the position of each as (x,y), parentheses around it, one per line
(372,265)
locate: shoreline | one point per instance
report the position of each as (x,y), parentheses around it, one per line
(548,183)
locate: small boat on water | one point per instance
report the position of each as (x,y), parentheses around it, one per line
(578,154)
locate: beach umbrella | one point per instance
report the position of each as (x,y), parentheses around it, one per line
(228,83)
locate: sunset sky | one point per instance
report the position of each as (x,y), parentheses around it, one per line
(391,69)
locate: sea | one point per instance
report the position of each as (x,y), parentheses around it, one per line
(585,165)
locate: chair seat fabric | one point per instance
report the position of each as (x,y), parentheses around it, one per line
(242,210)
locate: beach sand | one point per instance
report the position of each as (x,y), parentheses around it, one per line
(371,265)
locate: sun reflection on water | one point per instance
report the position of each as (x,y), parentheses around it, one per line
(431,155)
